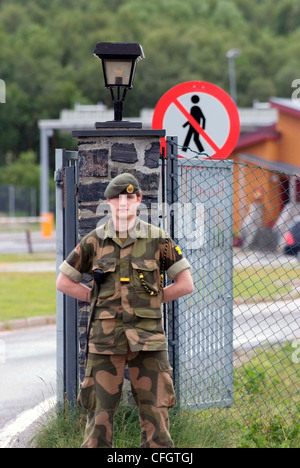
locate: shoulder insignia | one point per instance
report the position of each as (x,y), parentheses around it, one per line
(178,250)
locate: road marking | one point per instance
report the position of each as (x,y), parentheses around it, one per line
(12,429)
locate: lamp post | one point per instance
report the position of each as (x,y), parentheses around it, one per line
(119,63)
(231,55)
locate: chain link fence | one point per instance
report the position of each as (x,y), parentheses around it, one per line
(18,201)
(249,392)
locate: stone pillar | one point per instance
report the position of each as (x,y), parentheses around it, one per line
(109,150)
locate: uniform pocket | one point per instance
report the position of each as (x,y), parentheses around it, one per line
(105,314)
(149,327)
(87,396)
(165,388)
(104,327)
(108,286)
(150,269)
(147,313)
(149,321)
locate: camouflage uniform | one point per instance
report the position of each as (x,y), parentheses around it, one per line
(152,389)
(127,328)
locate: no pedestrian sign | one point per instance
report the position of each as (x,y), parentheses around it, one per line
(203,117)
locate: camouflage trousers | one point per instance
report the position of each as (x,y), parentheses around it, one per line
(152,389)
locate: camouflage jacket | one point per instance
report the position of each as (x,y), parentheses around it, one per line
(128,306)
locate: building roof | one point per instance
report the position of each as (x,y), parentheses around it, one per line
(277,166)
(257,136)
(288,106)
(85,116)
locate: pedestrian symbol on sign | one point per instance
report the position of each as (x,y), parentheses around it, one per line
(198,115)
(209,127)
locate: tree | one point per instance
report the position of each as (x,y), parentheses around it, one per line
(47,63)
(24,172)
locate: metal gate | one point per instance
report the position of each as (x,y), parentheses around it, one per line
(199,199)
(66,178)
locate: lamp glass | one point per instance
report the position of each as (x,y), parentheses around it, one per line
(118,72)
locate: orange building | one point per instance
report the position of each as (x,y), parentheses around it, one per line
(269,165)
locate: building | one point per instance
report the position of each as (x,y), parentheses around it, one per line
(268,172)
(268,153)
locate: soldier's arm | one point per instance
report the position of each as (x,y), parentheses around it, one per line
(79,261)
(177,268)
(77,290)
(183,284)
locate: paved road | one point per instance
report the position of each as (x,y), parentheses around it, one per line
(17,243)
(272,322)
(27,369)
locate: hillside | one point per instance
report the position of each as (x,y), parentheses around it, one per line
(47,63)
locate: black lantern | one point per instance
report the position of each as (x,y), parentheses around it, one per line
(118,62)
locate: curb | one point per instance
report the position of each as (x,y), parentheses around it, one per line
(27,323)
(20,432)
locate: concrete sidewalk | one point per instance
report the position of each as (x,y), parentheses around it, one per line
(30,322)
(28,267)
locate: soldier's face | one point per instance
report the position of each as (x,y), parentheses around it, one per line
(124,207)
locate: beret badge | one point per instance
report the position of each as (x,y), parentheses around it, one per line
(130,189)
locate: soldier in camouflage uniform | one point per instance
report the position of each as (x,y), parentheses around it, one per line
(127,325)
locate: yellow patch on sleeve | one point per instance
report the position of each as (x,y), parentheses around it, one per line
(178,250)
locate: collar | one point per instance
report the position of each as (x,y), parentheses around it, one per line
(138,231)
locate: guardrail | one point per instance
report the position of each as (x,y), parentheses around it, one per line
(22,220)
(46,220)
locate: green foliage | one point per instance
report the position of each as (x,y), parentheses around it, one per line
(24,172)
(47,63)
(66,430)
(272,431)
(266,410)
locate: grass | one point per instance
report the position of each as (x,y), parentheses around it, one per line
(24,295)
(265,284)
(67,430)
(265,413)
(26,257)
(267,398)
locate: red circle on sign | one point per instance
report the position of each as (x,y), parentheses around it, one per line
(171,97)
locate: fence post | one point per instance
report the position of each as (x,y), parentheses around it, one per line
(11,200)
(66,240)
(60,301)
(172,199)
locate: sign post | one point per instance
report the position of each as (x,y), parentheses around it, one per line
(203,117)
